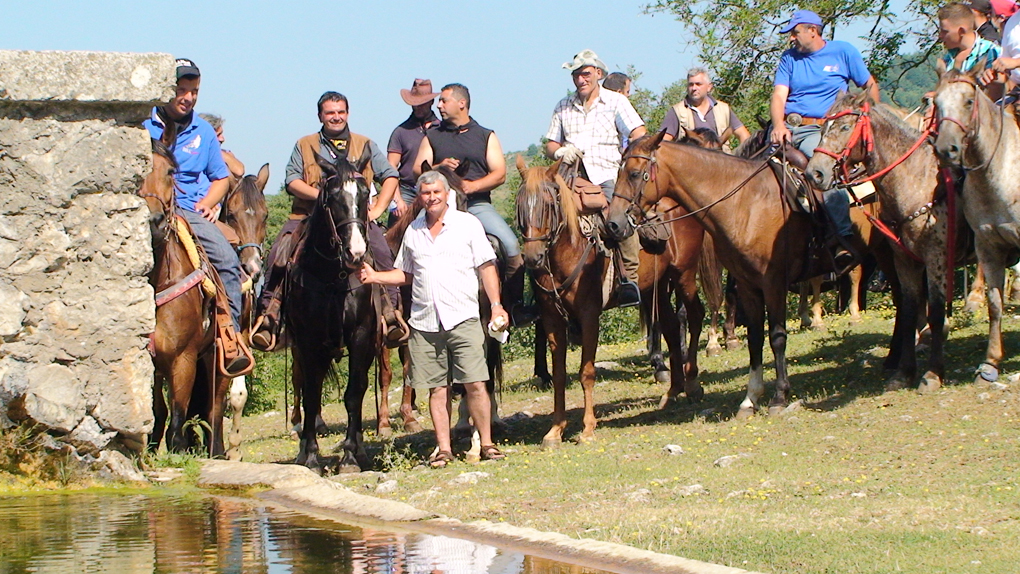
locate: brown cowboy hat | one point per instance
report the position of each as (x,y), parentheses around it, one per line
(420,93)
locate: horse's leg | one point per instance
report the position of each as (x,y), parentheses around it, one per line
(995,275)
(976,296)
(911,297)
(814,320)
(411,424)
(1014,287)
(775,304)
(354,458)
(712,346)
(159,411)
(802,307)
(556,331)
(753,305)
(730,324)
(541,361)
(295,413)
(589,346)
(933,377)
(710,273)
(382,407)
(182,384)
(219,386)
(308,371)
(670,325)
(653,340)
(695,311)
(238,398)
(856,276)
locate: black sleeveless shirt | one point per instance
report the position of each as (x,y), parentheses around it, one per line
(467,143)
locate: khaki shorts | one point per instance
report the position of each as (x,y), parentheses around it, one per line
(459,351)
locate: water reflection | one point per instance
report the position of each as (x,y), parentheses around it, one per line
(156,534)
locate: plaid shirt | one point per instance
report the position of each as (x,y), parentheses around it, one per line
(598,132)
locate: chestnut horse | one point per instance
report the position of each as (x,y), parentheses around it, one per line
(185,330)
(329,310)
(245,212)
(762,243)
(571,273)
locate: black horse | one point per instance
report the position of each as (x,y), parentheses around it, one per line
(329,310)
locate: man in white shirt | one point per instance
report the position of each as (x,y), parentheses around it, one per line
(443,254)
(588,126)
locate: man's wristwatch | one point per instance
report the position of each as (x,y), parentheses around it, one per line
(496,304)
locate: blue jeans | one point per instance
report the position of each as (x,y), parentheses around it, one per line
(223,258)
(836,200)
(495,225)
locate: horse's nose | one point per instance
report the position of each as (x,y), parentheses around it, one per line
(616,230)
(815,177)
(156,219)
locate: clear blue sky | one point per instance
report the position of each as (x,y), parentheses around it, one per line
(264,64)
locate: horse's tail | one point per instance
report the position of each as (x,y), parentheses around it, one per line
(710,273)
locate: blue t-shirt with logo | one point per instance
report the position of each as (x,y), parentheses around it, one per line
(816,79)
(199,159)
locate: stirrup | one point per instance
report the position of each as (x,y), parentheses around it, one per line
(242,364)
(628,294)
(262,336)
(397,331)
(522,315)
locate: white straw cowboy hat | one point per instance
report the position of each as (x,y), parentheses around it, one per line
(585,58)
(420,93)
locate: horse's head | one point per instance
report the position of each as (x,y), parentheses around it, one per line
(635,186)
(544,208)
(958,103)
(701,137)
(245,211)
(847,139)
(158,187)
(343,202)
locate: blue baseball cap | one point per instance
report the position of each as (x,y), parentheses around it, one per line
(802,17)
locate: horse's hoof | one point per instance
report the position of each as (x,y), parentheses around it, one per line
(665,401)
(348,468)
(385,432)
(776,410)
(234,455)
(294,435)
(817,326)
(745,413)
(732,344)
(985,374)
(412,427)
(551,443)
(695,394)
(896,383)
(662,376)
(586,439)
(856,320)
(713,350)
(972,306)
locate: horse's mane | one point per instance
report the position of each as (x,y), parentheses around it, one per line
(889,116)
(160,149)
(250,193)
(531,191)
(752,144)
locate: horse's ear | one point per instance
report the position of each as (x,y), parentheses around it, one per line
(462,168)
(657,139)
(521,166)
(169,137)
(764,123)
(686,136)
(425,166)
(327,166)
(940,67)
(858,99)
(977,69)
(554,168)
(262,178)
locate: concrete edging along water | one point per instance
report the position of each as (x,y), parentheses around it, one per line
(301,489)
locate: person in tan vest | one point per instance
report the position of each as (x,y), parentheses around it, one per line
(700,110)
(333,142)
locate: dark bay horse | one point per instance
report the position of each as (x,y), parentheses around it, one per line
(757,237)
(571,274)
(245,212)
(328,310)
(913,202)
(182,344)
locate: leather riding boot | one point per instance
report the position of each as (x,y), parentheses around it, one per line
(265,334)
(521,315)
(397,331)
(844,256)
(629,294)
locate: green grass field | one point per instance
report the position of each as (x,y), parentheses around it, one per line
(855,480)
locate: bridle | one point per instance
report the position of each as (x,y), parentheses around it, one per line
(970,133)
(549,215)
(336,243)
(863,134)
(240,248)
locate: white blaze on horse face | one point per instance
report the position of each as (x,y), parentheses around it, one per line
(358,245)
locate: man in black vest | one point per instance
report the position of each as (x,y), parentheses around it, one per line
(459,142)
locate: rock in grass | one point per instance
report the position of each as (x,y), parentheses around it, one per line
(998,386)
(673,449)
(691,490)
(470,477)
(386,487)
(726,461)
(639,495)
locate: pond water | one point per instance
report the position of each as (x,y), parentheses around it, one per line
(132,534)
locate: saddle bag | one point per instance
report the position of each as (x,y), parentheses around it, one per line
(588,197)
(653,234)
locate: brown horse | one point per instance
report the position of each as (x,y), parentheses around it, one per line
(185,330)
(913,201)
(757,237)
(572,274)
(245,212)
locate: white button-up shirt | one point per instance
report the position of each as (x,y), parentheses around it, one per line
(444,292)
(597,132)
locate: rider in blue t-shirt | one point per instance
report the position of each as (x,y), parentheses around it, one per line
(809,78)
(201,180)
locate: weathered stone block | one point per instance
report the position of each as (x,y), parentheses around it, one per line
(85,76)
(13,308)
(125,401)
(53,399)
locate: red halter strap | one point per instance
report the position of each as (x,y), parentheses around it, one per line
(863,132)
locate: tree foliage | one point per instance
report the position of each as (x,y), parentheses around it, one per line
(739,40)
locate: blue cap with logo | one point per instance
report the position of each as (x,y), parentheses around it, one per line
(802,17)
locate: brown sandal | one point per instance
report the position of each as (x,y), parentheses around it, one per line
(441,459)
(491,452)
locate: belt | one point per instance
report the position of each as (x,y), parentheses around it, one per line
(799,120)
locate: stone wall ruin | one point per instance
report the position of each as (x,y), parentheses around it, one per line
(75,304)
